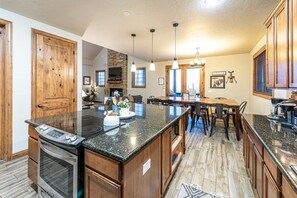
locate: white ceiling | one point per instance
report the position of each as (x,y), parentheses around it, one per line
(90,51)
(232,27)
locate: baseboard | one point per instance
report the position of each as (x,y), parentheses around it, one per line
(19,154)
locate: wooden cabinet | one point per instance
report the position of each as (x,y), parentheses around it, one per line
(166,159)
(250,159)
(99,186)
(270,188)
(281,45)
(293,43)
(33,154)
(287,190)
(258,173)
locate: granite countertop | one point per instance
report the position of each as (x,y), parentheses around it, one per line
(123,142)
(279,140)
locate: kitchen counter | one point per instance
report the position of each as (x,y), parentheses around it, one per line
(279,140)
(121,143)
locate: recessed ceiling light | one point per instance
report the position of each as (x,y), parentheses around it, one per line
(211,2)
(126,13)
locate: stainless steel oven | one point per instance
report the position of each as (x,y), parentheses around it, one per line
(57,171)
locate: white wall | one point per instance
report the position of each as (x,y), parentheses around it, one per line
(22,71)
(239,63)
(100,63)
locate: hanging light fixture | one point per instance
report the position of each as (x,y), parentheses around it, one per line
(133,66)
(198,61)
(175,63)
(152,65)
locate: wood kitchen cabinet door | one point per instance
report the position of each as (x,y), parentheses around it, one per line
(293,44)
(98,186)
(287,190)
(258,173)
(166,159)
(250,158)
(270,189)
(270,54)
(281,46)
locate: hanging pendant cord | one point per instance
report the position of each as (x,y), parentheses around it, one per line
(133,49)
(175,43)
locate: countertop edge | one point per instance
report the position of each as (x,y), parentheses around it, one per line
(137,150)
(280,166)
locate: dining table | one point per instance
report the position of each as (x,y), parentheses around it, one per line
(186,101)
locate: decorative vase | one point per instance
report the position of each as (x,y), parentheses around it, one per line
(124,111)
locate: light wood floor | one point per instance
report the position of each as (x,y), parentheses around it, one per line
(214,164)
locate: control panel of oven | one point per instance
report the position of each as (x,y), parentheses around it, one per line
(58,135)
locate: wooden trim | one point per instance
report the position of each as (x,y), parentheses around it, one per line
(33,68)
(133,78)
(6,134)
(260,51)
(96,73)
(268,97)
(273,12)
(19,154)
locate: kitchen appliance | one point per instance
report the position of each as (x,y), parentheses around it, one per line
(288,109)
(61,157)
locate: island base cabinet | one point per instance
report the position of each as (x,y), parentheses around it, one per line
(97,186)
(270,189)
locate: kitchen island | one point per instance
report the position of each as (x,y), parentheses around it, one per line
(137,159)
(270,149)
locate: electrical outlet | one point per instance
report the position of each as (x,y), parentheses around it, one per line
(146,166)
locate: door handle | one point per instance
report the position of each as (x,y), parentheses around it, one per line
(40,105)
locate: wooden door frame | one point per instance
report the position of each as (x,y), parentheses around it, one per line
(34,68)
(6,135)
(183,78)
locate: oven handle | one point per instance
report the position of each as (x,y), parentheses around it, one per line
(45,148)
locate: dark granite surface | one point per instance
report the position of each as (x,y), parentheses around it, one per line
(121,143)
(279,140)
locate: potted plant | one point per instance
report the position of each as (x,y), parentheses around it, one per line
(124,107)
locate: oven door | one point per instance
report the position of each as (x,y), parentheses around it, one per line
(57,171)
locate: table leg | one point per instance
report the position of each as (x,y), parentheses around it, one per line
(237,123)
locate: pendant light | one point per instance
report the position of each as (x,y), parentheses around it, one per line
(152,65)
(133,66)
(175,63)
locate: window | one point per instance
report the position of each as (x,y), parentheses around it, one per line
(175,82)
(139,78)
(193,79)
(100,78)
(260,88)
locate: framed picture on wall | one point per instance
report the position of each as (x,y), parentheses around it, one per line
(217,82)
(160,81)
(86,80)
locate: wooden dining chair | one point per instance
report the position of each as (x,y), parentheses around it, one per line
(197,113)
(232,113)
(218,114)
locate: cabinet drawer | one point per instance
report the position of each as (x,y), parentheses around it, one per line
(287,190)
(33,149)
(272,167)
(32,170)
(103,165)
(32,132)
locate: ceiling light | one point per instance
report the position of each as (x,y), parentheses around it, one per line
(152,65)
(126,13)
(133,66)
(175,63)
(198,61)
(212,2)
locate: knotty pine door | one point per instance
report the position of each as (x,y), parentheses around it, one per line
(53,75)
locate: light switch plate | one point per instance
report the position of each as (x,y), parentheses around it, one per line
(146,166)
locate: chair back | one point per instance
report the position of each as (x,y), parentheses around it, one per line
(198,107)
(242,107)
(219,110)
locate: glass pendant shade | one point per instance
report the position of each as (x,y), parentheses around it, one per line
(152,66)
(175,64)
(133,67)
